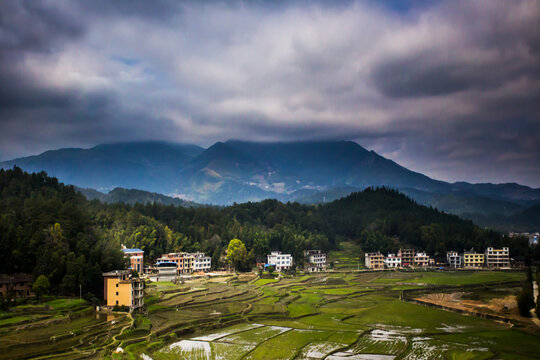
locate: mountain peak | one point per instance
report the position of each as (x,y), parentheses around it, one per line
(237,170)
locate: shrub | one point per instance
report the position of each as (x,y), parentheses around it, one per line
(122,308)
(92,299)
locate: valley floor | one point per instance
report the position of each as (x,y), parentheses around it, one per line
(336,316)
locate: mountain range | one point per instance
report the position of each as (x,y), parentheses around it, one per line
(238,171)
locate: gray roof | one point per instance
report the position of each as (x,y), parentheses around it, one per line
(117,273)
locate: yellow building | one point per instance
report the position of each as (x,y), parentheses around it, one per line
(473,259)
(122,290)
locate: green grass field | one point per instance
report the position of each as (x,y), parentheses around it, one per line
(332,316)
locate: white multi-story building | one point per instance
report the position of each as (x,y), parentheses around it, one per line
(280,261)
(186,263)
(316,260)
(392,261)
(453,259)
(498,257)
(201,262)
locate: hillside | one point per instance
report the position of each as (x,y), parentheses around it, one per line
(237,171)
(152,166)
(49,228)
(133,196)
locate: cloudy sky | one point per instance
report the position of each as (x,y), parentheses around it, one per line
(450,89)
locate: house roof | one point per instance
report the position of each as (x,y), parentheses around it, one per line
(14,278)
(117,273)
(133,250)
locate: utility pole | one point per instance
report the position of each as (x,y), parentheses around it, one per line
(80,292)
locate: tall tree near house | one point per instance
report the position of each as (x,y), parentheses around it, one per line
(236,253)
(525,300)
(41,286)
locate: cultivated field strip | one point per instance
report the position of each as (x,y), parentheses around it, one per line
(334,316)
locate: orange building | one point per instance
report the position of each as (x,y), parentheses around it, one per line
(123,290)
(136,257)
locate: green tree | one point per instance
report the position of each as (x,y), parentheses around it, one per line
(525,300)
(41,286)
(236,253)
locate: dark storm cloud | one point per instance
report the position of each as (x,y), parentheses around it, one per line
(482,47)
(448,88)
(34,26)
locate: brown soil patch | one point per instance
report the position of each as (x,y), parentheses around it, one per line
(493,306)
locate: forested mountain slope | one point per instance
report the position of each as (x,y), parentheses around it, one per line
(51,229)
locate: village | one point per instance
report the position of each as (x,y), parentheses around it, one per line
(124,288)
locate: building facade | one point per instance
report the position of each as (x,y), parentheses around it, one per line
(121,289)
(498,258)
(374,260)
(315,260)
(453,259)
(407,257)
(136,258)
(280,261)
(392,261)
(423,260)
(187,263)
(260,261)
(15,286)
(201,262)
(473,259)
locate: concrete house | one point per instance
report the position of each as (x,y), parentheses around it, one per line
(498,258)
(407,257)
(121,289)
(315,260)
(453,259)
(280,261)
(374,260)
(473,259)
(392,261)
(136,257)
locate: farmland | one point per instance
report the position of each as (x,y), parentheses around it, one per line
(335,316)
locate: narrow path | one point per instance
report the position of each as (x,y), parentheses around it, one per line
(130,324)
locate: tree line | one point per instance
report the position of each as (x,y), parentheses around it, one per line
(48,228)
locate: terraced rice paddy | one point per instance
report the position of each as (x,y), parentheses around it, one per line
(333,316)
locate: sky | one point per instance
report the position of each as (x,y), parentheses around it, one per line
(447,88)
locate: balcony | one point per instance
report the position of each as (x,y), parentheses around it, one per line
(138,286)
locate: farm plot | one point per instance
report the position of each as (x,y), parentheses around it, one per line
(381,341)
(348,316)
(333,316)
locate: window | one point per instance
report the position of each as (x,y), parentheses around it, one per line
(117,293)
(116,284)
(116,300)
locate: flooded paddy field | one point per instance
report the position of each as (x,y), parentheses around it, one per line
(334,316)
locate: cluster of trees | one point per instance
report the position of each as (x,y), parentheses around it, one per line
(47,228)
(525,298)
